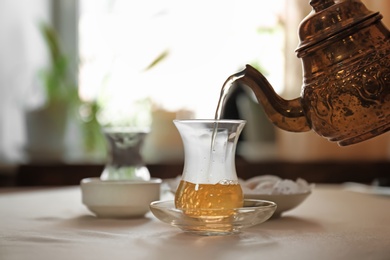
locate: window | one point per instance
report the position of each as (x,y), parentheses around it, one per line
(198,45)
(204,42)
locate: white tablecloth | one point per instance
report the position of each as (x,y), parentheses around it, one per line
(333,223)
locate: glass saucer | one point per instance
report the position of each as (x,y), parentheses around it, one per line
(253,213)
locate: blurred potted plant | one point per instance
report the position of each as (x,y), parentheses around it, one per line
(46,125)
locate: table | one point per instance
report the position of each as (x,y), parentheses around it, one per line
(52,223)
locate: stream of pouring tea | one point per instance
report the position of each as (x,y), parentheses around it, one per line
(218,112)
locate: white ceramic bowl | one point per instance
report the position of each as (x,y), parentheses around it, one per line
(284,202)
(119,198)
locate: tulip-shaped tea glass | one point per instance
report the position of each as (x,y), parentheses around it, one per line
(125,161)
(209,184)
(209,200)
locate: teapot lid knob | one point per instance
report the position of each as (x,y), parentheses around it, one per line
(330,18)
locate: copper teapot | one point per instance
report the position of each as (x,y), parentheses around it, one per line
(345,53)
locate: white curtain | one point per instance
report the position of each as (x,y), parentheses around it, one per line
(22,54)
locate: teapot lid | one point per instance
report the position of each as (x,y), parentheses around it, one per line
(329,18)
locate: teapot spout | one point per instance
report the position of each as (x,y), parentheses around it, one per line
(285,114)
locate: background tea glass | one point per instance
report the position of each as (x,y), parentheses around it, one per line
(124,154)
